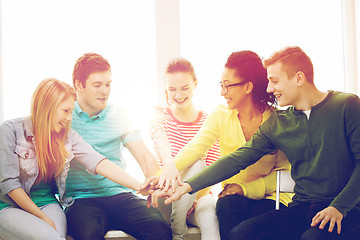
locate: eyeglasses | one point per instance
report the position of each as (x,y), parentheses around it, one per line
(226,87)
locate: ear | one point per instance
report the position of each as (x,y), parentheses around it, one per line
(196,82)
(78,85)
(300,78)
(249,87)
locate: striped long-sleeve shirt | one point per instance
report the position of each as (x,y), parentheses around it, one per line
(166,129)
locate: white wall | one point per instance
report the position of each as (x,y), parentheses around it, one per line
(211,30)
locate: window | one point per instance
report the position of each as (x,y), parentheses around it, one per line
(42,39)
(212,30)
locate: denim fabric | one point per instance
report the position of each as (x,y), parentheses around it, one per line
(18,165)
(17,224)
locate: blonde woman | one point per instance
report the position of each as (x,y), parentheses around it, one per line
(35,155)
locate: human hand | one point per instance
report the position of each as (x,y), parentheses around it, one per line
(148,186)
(328,214)
(192,209)
(169,177)
(169,195)
(231,189)
(153,199)
(180,190)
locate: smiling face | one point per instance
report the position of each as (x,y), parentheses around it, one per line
(284,88)
(235,94)
(63,114)
(94,96)
(179,88)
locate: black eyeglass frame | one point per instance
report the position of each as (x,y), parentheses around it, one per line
(226,87)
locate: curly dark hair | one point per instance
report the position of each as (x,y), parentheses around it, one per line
(248,66)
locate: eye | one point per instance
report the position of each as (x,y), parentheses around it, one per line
(273,81)
(184,89)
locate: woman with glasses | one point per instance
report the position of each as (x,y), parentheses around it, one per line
(172,128)
(35,155)
(252,191)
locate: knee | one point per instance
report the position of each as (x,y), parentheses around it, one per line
(234,235)
(44,234)
(314,233)
(245,230)
(206,201)
(225,205)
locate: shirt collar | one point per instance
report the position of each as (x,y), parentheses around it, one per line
(84,115)
(28,127)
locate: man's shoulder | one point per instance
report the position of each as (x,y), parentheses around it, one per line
(283,111)
(342,96)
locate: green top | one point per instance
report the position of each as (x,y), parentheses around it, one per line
(324,152)
(41,194)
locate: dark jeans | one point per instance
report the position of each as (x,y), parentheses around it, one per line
(293,223)
(234,209)
(91,218)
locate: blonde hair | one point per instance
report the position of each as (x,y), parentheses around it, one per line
(50,146)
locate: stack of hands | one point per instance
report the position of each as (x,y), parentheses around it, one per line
(158,187)
(172,189)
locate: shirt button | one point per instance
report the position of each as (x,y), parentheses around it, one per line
(26,155)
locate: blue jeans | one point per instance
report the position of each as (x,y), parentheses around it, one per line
(91,218)
(294,223)
(16,223)
(234,209)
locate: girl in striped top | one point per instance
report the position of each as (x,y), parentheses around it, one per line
(171,129)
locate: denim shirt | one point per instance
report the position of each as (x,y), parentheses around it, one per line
(18,162)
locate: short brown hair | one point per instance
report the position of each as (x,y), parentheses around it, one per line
(293,60)
(87,64)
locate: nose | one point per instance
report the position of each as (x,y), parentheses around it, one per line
(270,88)
(222,91)
(105,90)
(69,117)
(178,95)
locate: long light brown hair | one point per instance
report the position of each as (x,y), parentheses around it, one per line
(50,146)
